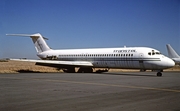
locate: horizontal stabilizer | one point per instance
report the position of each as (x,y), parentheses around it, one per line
(27,35)
(38,40)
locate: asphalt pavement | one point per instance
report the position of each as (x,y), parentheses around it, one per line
(129,91)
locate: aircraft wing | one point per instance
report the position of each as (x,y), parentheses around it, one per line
(58,64)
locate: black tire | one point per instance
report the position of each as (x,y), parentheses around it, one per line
(159,74)
(85,70)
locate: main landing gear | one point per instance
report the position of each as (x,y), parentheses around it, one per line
(69,70)
(80,70)
(85,70)
(159,74)
(101,71)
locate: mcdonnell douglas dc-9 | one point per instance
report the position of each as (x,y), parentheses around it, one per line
(86,60)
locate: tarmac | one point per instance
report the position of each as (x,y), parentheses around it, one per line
(129,91)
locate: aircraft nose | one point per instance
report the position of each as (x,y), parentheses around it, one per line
(169,62)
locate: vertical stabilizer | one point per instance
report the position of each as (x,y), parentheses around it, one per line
(171,52)
(38,40)
(40,43)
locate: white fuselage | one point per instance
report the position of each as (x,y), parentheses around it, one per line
(128,58)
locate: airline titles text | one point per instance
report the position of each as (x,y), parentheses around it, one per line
(124,51)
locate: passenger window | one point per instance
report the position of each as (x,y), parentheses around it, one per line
(149,53)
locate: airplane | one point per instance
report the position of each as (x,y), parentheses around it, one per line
(172,54)
(143,58)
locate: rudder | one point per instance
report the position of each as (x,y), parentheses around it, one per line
(39,42)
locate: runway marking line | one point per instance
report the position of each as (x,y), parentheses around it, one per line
(99,84)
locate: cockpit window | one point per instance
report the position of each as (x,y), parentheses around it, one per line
(154,53)
(158,53)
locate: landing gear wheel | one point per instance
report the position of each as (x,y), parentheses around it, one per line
(159,74)
(69,70)
(101,71)
(85,70)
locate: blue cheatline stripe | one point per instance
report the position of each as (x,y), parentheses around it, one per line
(110,59)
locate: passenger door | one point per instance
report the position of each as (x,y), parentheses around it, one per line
(141,62)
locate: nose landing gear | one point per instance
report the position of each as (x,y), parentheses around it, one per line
(159,72)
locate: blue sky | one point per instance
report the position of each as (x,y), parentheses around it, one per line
(88,24)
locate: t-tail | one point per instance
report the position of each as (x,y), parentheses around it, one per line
(38,40)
